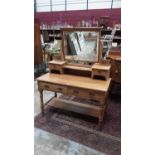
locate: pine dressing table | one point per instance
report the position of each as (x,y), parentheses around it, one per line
(86,86)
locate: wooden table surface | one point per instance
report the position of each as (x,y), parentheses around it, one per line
(115,54)
(114,57)
(76,81)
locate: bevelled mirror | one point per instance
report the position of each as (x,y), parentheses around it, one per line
(81,45)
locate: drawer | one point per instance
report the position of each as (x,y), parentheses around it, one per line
(54,67)
(95,95)
(53,87)
(100,72)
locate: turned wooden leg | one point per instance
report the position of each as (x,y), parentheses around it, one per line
(101,116)
(41,102)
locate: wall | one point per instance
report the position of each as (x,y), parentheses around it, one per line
(73,17)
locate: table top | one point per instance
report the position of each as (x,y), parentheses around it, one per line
(115,54)
(76,81)
(101,66)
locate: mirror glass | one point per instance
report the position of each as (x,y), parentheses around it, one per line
(81,46)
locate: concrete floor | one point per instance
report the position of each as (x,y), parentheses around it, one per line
(46,143)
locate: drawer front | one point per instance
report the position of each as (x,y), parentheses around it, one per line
(54,67)
(53,87)
(100,72)
(95,95)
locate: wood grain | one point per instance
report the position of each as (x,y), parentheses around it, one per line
(76,81)
(78,107)
(99,66)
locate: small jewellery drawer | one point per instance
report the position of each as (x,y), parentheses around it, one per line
(100,72)
(54,67)
(95,95)
(53,87)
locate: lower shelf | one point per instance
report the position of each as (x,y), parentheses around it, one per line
(78,107)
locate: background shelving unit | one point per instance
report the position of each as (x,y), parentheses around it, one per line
(49,35)
(117,35)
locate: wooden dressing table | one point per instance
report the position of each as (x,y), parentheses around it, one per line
(72,85)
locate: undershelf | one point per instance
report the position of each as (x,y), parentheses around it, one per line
(78,107)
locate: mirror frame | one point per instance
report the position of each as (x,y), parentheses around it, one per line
(87,29)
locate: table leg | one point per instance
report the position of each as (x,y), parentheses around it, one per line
(41,102)
(101,116)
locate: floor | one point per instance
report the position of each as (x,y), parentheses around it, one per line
(49,144)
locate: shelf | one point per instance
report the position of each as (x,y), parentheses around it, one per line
(70,105)
(117,37)
(50,29)
(52,34)
(68,66)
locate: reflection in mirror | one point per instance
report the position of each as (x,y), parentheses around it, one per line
(81,46)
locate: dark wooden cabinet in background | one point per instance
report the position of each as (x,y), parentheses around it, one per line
(117,35)
(38,56)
